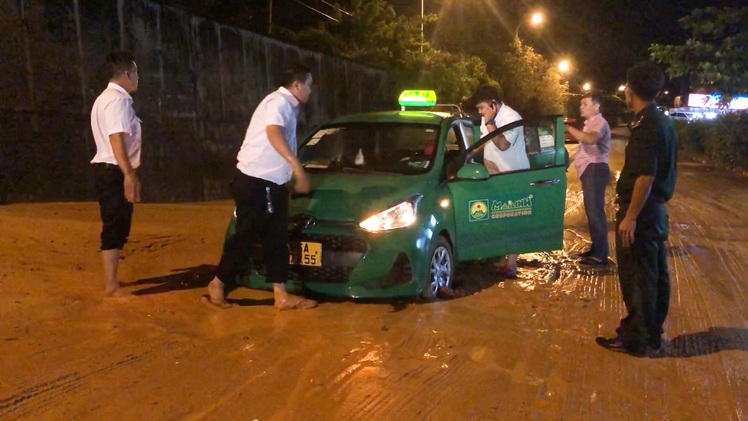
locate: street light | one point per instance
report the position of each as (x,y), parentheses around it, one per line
(421,26)
(587,86)
(563,66)
(535,20)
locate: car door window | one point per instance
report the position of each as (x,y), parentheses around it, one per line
(540,140)
(455,145)
(466,129)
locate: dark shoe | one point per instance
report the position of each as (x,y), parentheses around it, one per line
(587,253)
(655,342)
(618,345)
(507,272)
(593,261)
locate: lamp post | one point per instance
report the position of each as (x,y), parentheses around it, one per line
(535,20)
(422,26)
(270,17)
(587,86)
(563,66)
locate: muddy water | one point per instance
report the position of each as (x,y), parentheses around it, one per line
(500,349)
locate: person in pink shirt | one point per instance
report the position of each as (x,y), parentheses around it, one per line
(591,162)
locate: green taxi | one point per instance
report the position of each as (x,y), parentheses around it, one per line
(398,202)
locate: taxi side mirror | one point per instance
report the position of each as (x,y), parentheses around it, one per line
(472,171)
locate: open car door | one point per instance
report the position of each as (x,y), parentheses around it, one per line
(513,212)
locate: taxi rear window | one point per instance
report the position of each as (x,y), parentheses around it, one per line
(395,148)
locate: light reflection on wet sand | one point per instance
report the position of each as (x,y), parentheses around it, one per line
(501,349)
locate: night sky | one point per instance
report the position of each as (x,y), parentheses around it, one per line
(601,38)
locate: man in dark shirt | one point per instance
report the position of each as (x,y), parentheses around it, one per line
(646,183)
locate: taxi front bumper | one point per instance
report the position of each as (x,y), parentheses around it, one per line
(354,264)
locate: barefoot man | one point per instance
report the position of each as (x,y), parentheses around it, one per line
(267,161)
(116,130)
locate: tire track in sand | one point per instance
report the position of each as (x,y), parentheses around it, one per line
(47,394)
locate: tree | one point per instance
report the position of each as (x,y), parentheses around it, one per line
(453,76)
(530,84)
(375,35)
(714,57)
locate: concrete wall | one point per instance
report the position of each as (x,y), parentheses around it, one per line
(199,84)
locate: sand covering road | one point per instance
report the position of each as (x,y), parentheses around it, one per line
(504,349)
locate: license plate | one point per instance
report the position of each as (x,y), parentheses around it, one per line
(305,254)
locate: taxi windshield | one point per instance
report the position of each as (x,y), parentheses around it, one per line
(393,148)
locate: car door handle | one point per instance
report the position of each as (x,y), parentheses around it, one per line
(546,182)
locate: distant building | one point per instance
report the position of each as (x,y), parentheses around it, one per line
(707,106)
(713,102)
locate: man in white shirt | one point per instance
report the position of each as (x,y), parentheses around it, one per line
(591,162)
(505,152)
(116,130)
(266,162)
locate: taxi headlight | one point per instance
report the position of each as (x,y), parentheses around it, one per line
(399,216)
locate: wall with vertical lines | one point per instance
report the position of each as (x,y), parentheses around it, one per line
(199,84)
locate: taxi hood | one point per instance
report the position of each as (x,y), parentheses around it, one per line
(352,198)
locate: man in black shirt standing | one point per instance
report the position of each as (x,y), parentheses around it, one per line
(646,183)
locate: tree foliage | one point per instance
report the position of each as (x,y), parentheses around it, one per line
(378,36)
(530,84)
(371,32)
(453,76)
(714,56)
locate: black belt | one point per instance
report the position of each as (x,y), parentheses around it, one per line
(109,166)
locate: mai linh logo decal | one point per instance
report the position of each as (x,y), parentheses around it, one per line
(511,208)
(478,210)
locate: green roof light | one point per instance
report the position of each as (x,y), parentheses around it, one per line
(417,98)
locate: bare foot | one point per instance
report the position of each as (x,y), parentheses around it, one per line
(111,287)
(216,293)
(286,301)
(118,294)
(295,303)
(223,306)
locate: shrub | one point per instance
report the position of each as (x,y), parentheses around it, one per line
(724,141)
(691,136)
(727,142)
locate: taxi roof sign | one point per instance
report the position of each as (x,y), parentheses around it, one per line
(417,98)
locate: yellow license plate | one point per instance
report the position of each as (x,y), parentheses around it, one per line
(305,254)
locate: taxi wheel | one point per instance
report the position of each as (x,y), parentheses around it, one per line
(441,270)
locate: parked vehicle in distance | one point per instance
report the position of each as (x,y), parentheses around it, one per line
(686,116)
(568,138)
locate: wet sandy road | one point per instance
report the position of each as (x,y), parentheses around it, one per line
(504,349)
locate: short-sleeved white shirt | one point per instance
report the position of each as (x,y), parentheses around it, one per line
(257,157)
(514,158)
(112,112)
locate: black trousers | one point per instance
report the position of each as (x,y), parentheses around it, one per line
(115,210)
(255,224)
(643,275)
